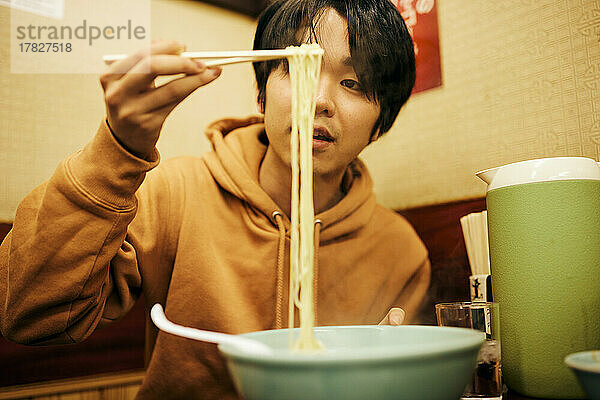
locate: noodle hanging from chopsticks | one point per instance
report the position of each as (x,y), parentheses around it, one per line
(304,71)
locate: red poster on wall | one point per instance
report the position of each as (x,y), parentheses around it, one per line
(421,19)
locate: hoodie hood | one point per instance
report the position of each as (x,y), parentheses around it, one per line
(239,146)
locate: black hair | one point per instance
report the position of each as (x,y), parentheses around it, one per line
(380,46)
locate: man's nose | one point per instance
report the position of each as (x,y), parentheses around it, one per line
(325,105)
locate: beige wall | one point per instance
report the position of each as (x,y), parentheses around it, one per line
(520,80)
(43,118)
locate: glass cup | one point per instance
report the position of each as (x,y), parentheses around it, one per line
(486,382)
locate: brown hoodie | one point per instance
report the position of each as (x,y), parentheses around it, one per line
(201,237)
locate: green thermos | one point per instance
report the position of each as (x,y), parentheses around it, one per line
(544,235)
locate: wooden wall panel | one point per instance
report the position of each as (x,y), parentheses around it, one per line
(120,386)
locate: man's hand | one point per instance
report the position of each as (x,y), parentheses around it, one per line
(394,317)
(136,109)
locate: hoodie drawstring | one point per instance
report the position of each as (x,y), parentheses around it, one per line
(280,263)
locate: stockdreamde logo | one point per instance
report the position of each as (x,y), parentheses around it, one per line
(83,31)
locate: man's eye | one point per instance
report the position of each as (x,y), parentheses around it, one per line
(351,84)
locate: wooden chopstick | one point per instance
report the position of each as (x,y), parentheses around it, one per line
(235,60)
(219,57)
(240,53)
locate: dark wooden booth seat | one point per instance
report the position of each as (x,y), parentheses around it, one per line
(439,228)
(120,346)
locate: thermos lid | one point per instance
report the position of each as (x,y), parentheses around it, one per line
(541,170)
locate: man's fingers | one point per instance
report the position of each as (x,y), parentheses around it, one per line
(144,72)
(119,68)
(157,47)
(397,316)
(394,317)
(162,113)
(176,90)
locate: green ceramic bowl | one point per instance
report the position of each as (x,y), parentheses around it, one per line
(361,362)
(586,365)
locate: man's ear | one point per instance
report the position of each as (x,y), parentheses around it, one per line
(374,136)
(260,104)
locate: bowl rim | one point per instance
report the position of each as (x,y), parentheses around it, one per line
(473,338)
(576,361)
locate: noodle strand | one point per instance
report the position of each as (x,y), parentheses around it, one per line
(304,70)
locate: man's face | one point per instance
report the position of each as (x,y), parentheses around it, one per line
(344,117)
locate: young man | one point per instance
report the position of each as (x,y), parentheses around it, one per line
(209,237)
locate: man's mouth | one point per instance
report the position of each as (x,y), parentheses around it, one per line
(322,134)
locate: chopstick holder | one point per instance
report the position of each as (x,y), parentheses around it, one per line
(475,233)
